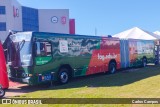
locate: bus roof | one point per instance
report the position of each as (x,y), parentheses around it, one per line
(47,34)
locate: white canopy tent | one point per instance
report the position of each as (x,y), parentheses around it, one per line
(137,33)
(157,33)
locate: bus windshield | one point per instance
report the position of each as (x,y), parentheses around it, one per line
(21,49)
(25,54)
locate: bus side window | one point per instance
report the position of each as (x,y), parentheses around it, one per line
(43,49)
(48,48)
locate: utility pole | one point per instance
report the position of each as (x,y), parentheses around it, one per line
(95,31)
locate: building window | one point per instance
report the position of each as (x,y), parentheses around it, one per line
(30,19)
(2,26)
(2,10)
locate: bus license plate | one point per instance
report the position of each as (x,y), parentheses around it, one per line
(46,78)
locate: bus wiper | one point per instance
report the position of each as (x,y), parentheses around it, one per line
(19,47)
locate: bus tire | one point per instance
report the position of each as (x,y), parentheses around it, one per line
(63,76)
(2,92)
(112,67)
(144,62)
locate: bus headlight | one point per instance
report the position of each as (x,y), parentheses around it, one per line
(30,75)
(24,75)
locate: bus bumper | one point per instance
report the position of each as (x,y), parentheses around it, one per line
(20,80)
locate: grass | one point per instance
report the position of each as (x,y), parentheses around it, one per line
(132,83)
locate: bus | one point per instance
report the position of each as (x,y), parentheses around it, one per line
(40,57)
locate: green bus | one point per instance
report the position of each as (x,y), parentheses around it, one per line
(37,57)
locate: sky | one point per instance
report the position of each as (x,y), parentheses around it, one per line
(107,17)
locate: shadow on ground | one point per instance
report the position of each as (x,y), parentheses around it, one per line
(123,77)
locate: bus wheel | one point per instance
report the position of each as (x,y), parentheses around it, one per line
(2,92)
(63,76)
(112,68)
(144,62)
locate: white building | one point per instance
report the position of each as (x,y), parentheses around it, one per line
(13,16)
